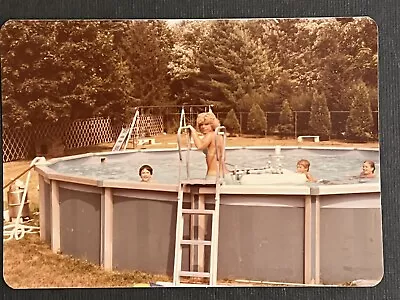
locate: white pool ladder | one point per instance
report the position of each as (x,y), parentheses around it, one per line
(125,134)
(190,185)
(16,229)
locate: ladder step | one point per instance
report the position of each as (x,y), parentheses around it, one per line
(196,242)
(198,211)
(198,181)
(194,274)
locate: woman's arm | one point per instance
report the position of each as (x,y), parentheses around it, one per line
(200,143)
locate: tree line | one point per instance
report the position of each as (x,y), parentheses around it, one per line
(54,71)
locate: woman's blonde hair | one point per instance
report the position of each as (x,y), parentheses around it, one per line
(207,117)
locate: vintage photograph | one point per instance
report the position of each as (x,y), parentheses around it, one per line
(163,153)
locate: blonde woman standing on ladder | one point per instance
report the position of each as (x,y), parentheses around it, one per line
(207,123)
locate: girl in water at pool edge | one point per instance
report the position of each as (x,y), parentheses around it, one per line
(368,169)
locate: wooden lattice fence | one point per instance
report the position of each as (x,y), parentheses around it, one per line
(20,143)
(149,125)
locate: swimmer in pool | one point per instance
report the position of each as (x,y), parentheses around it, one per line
(368,169)
(207,122)
(145,173)
(303,166)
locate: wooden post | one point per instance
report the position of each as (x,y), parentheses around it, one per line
(317,240)
(42,209)
(201,233)
(107,226)
(55,218)
(307,240)
(312,240)
(191,228)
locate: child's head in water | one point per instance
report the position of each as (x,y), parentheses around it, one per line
(303,166)
(145,173)
(368,169)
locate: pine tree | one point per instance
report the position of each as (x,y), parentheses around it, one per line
(257,122)
(360,121)
(320,121)
(227,64)
(286,118)
(231,122)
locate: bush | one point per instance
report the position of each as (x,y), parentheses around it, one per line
(286,118)
(320,120)
(172,124)
(360,122)
(231,122)
(257,122)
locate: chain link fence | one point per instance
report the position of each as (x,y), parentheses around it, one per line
(23,143)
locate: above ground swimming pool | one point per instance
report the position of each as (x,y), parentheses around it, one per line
(328,232)
(333,166)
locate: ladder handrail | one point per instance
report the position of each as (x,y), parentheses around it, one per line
(182,120)
(215,236)
(16,178)
(218,131)
(178,231)
(131,127)
(180,129)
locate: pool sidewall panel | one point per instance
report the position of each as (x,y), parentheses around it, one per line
(80,223)
(262,242)
(144,233)
(350,238)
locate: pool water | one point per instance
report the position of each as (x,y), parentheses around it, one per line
(329,165)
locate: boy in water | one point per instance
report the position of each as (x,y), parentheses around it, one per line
(145,173)
(303,166)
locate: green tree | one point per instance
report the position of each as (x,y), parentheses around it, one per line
(227,64)
(93,76)
(146,48)
(257,122)
(360,122)
(231,122)
(286,119)
(60,70)
(30,74)
(320,121)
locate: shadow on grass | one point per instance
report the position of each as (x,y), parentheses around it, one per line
(30,263)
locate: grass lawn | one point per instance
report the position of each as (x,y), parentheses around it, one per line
(30,263)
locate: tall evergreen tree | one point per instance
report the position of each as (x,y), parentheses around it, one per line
(231,122)
(360,122)
(286,119)
(257,122)
(320,121)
